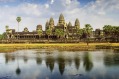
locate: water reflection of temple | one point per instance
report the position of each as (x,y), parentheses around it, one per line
(50,63)
(61,61)
(9,57)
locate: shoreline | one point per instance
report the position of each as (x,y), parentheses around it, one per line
(60,46)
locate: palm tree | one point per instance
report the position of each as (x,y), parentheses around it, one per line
(18,70)
(48,32)
(18,20)
(87,30)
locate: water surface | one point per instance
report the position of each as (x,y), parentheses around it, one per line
(44,64)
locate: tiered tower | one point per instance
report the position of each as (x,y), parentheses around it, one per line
(61,20)
(69,24)
(77,24)
(47,25)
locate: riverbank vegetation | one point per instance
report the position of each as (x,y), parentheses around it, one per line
(57,46)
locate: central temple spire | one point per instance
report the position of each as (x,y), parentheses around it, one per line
(61,20)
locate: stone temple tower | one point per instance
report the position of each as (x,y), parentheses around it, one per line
(69,24)
(47,25)
(51,23)
(61,20)
(77,24)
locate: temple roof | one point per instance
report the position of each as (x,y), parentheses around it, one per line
(51,22)
(69,24)
(77,23)
(61,17)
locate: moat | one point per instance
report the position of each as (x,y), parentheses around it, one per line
(46,64)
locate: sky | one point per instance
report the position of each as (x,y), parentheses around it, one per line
(97,13)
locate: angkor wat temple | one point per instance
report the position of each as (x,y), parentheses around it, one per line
(70,31)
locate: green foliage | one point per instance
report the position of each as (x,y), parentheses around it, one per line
(18,19)
(2,36)
(111,32)
(48,32)
(25,29)
(88,29)
(39,32)
(59,32)
(80,32)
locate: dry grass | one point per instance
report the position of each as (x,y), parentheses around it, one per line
(59,46)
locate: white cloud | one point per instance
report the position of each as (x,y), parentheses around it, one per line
(68,2)
(97,13)
(46,6)
(101,13)
(52,1)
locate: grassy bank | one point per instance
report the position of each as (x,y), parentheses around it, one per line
(62,46)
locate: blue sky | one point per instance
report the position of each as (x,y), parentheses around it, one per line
(33,12)
(16,2)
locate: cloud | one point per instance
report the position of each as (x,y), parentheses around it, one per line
(68,2)
(101,13)
(97,13)
(46,6)
(52,1)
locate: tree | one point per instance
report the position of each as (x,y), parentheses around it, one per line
(18,71)
(111,33)
(80,32)
(2,36)
(107,30)
(59,32)
(48,32)
(87,30)
(8,31)
(26,29)
(39,31)
(18,20)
